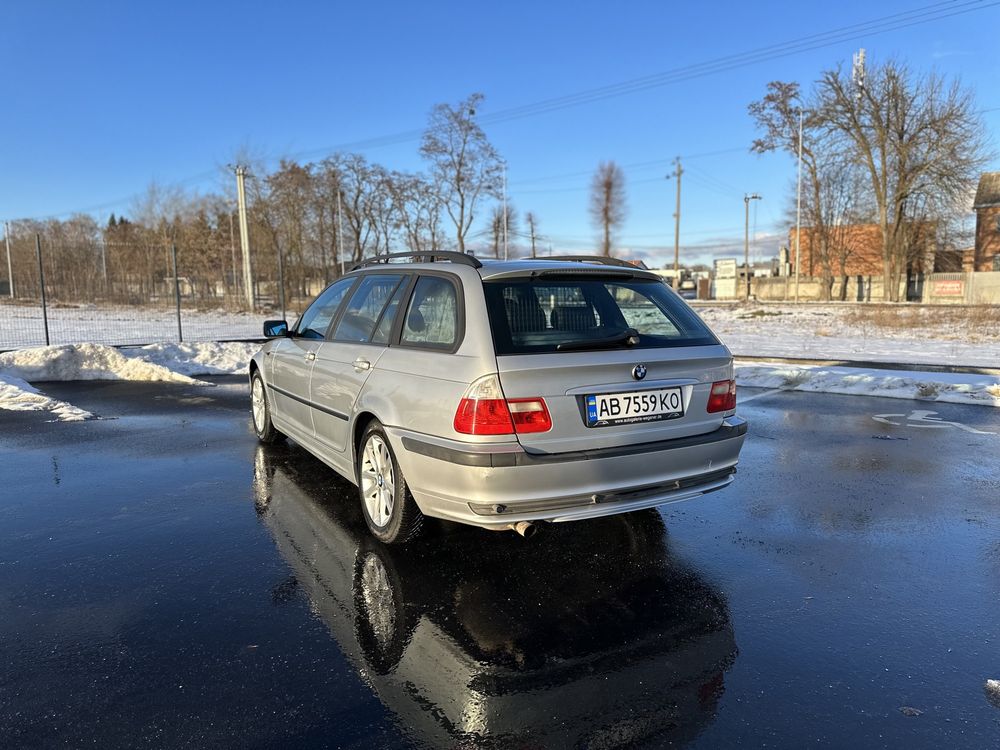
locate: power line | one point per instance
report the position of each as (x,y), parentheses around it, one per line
(904,19)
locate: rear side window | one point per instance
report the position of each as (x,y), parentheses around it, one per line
(542,315)
(365,309)
(316,319)
(432,317)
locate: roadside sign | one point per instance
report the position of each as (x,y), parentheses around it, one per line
(948,288)
(725,268)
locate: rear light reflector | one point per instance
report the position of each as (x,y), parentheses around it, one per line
(484,411)
(722,396)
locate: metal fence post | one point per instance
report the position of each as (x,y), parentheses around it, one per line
(10,270)
(177,294)
(281,282)
(41,280)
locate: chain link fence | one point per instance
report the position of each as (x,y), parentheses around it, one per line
(132,293)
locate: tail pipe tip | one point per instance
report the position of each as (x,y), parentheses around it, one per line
(526,529)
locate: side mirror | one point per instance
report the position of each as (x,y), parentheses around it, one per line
(274,329)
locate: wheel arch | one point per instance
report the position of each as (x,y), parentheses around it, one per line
(361,422)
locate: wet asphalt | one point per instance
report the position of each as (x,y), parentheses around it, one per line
(165,582)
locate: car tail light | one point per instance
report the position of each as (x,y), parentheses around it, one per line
(529,415)
(483,410)
(722,396)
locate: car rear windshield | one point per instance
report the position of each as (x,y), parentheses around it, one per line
(542,315)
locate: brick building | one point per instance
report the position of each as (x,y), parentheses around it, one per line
(985,256)
(859,248)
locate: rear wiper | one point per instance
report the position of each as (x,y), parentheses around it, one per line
(629,337)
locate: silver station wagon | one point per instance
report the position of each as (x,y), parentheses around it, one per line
(502,394)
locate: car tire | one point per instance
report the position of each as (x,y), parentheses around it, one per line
(260,412)
(389,509)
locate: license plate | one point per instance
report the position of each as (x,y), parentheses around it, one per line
(607,409)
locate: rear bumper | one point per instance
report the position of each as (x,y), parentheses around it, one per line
(496,485)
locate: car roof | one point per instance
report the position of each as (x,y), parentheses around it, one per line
(494,268)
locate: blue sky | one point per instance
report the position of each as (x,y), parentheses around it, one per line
(100,98)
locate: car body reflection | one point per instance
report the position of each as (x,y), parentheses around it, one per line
(591,634)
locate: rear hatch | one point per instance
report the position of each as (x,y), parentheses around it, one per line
(618,358)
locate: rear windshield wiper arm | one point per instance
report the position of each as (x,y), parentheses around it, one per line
(629,337)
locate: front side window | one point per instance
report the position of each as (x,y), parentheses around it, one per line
(316,319)
(432,317)
(541,315)
(364,311)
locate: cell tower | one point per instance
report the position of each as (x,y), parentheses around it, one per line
(858,72)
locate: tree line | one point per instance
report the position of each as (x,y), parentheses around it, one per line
(319,218)
(880,145)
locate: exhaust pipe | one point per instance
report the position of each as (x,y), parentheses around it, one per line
(526,529)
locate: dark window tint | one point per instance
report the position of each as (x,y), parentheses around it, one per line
(432,317)
(316,319)
(542,315)
(365,308)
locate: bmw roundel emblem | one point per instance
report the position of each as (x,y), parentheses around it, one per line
(639,372)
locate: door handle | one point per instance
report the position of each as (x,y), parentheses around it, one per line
(362,364)
(310,356)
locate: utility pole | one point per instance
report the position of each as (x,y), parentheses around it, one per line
(241,195)
(340,233)
(798,213)
(531,229)
(10,273)
(678,171)
(232,252)
(505,210)
(746,236)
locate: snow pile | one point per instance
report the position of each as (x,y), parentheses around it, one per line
(955,388)
(16,395)
(84,362)
(203,358)
(71,362)
(992,689)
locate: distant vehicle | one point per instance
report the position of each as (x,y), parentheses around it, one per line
(502,394)
(688,289)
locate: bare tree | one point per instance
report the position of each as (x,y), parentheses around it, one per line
(497,226)
(607,202)
(418,211)
(464,165)
(532,230)
(921,144)
(824,166)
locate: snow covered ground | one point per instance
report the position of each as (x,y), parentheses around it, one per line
(22,325)
(873,333)
(900,334)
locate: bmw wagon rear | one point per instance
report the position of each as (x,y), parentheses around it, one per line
(605,393)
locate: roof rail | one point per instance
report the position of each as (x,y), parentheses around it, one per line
(463,258)
(603,260)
